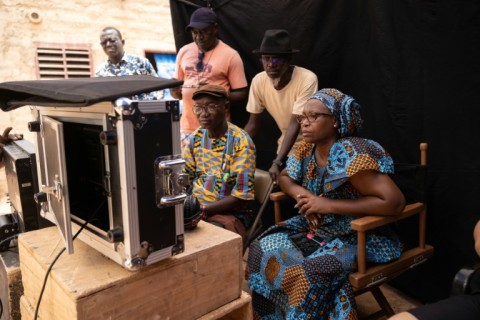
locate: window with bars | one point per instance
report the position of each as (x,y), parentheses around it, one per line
(59,61)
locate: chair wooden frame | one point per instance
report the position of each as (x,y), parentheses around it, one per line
(368,278)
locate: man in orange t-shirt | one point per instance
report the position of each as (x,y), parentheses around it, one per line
(206,60)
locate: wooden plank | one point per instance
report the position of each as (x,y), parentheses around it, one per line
(87,285)
(240,309)
(27,310)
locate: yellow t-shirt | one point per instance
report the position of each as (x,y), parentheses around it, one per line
(281,104)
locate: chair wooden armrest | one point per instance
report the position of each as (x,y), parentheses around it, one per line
(277,197)
(371,222)
(367,223)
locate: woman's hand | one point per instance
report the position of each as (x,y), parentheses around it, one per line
(311,206)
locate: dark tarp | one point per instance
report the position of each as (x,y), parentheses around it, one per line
(77,92)
(414,66)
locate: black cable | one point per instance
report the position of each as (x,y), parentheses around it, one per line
(58,256)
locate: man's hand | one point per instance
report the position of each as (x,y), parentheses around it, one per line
(176,92)
(274,172)
(7,137)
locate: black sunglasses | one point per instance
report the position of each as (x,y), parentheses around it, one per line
(201,55)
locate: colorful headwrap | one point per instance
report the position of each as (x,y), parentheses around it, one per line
(344,109)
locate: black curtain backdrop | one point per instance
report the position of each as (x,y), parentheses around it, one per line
(414,67)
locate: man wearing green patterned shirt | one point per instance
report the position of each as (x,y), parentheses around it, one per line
(220,160)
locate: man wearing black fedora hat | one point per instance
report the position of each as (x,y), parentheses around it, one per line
(282,89)
(206,60)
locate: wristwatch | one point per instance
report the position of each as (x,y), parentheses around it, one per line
(277,162)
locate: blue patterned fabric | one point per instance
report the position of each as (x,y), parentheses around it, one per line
(131,65)
(344,109)
(287,285)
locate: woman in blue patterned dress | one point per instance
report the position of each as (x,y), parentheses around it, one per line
(334,178)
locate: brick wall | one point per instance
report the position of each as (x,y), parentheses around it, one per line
(145,25)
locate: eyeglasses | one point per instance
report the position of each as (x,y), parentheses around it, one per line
(211,108)
(201,55)
(311,117)
(272,60)
(106,41)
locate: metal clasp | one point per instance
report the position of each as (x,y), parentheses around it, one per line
(56,190)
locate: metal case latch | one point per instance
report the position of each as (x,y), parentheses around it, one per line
(170,183)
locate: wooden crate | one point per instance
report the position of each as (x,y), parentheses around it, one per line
(10,285)
(238,309)
(87,285)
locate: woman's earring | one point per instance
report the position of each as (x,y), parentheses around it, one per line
(334,125)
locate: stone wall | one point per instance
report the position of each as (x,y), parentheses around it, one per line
(146,26)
